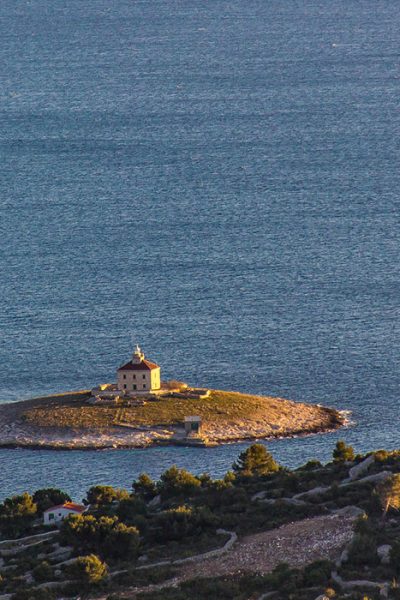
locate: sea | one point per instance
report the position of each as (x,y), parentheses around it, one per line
(217,181)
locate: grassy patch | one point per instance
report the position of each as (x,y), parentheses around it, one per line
(224,408)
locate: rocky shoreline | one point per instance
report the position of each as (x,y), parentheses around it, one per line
(297,419)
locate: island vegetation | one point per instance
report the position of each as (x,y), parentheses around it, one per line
(262,531)
(71,421)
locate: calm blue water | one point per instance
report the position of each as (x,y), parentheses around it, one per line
(218,181)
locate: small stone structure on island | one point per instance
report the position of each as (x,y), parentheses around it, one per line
(192,426)
(192,434)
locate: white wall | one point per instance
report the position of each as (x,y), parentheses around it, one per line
(58,515)
(143,380)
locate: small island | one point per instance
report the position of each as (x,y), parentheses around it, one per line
(140,410)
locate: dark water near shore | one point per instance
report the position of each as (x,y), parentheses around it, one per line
(218,181)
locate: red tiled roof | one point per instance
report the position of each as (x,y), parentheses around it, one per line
(144,365)
(68,506)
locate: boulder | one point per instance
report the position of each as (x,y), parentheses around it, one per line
(376,477)
(384,553)
(317,491)
(29,578)
(156,501)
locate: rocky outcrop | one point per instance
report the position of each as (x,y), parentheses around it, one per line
(384,553)
(362,467)
(317,491)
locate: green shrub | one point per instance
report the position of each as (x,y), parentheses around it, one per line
(362,550)
(255,462)
(88,570)
(145,487)
(130,509)
(199,589)
(364,526)
(176,482)
(317,573)
(103,495)
(285,579)
(342,452)
(34,594)
(395,557)
(212,588)
(234,499)
(311,465)
(104,535)
(178,523)
(289,482)
(43,572)
(47,497)
(381,455)
(139,578)
(17,514)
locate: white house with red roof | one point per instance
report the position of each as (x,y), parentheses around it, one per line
(55,514)
(139,375)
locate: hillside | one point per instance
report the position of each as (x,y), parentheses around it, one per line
(263,531)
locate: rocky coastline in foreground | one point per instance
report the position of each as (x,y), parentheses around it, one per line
(68,422)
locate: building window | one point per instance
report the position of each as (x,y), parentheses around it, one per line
(144,376)
(144,386)
(134,376)
(134,386)
(124,376)
(51,516)
(124,386)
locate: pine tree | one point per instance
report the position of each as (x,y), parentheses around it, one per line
(145,487)
(342,452)
(255,461)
